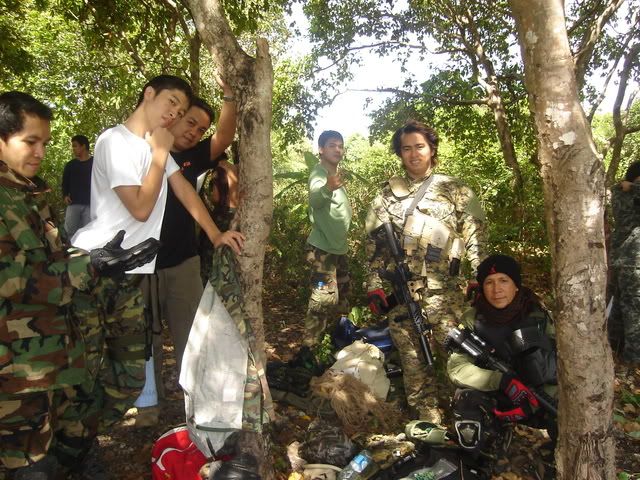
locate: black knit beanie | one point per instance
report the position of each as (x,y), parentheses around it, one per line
(499,263)
(633,172)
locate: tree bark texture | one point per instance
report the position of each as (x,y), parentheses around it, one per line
(574,189)
(251,79)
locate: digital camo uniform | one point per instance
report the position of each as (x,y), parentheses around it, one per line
(627,266)
(41,349)
(625,256)
(329,300)
(446,228)
(224,278)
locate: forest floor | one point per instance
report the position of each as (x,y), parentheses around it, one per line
(127,450)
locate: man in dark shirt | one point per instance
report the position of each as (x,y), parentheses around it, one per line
(76,185)
(179,287)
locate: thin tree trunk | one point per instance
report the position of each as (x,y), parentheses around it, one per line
(621,131)
(252,82)
(574,190)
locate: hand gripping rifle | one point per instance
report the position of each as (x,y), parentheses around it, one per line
(399,278)
(470,343)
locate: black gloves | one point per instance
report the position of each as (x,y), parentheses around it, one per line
(112,260)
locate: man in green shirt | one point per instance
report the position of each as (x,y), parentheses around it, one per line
(330,215)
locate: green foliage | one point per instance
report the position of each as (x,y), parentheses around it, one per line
(603,131)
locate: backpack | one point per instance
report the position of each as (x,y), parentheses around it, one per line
(175,457)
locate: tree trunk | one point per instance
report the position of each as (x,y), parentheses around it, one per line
(252,83)
(621,129)
(574,190)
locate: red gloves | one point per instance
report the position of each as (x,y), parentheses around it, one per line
(377,301)
(515,415)
(517,391)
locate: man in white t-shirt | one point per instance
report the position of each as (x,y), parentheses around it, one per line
(131,173)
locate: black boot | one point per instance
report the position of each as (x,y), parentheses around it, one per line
(44,469)
(242,467)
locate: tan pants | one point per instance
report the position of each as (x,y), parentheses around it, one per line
(173,294)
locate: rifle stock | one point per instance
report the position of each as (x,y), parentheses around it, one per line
(400,278)
(470,343)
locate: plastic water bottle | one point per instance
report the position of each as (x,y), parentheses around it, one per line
(361,467)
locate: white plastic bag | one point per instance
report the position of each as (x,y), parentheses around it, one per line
(213,374)
(365,362)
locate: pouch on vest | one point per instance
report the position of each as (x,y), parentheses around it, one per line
(435,239)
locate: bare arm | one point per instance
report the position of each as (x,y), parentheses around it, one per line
(140,199)
(226,126)
(192,202)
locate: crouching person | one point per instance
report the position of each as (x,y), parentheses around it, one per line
(42,349)
(519,332)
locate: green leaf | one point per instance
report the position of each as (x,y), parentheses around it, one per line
(619,418)
(310,159)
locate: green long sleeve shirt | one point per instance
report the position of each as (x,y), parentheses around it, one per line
(329,212)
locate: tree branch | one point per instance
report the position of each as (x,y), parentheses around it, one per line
(590,38)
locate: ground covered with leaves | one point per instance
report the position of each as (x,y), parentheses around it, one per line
(127,449)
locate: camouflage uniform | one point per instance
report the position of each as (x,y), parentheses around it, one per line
(625,252)
(86,334)
(41,349)
(326,253)
(222,216)
(446,224)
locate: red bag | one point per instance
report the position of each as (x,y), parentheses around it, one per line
(175,457)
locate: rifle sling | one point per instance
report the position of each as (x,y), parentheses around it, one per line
(419,194)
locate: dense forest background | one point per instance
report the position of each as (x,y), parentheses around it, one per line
(89,59)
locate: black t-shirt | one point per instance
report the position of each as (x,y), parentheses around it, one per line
(178,234)
(76,181)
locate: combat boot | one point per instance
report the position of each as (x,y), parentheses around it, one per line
(242,467)
(44,469)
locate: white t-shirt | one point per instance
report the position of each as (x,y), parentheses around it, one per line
(121,158)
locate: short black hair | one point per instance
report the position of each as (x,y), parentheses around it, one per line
(413,126)
(82,140)
(13,108)
(633,172)
(167,82)
(202,104)
(326,135)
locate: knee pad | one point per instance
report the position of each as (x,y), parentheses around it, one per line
(473,419)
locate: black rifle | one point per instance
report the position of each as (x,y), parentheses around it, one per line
(470,343)
(399,278)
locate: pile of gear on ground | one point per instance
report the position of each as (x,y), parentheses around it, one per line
(354,416)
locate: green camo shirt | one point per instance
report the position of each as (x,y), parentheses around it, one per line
(40,348)
(329,212)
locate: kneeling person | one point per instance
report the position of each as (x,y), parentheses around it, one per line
(516,327)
